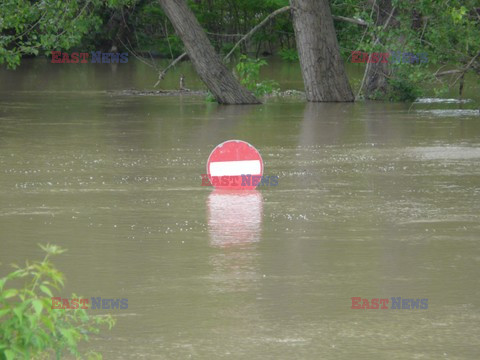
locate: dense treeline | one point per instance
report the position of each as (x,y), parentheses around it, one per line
(447,32)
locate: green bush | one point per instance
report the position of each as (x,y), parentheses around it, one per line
(402,89)
(29,327)
(289,55)
(248,71)
(210,97)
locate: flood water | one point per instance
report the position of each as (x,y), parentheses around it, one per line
(374,200)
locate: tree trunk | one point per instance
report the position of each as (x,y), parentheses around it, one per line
(377,73)
(376,83)
(322,67)
(218,79)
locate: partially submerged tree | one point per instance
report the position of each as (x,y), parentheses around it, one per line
(208,65)
(323,70)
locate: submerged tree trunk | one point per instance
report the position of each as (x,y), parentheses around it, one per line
(323,70)
(377,73)
(216,76)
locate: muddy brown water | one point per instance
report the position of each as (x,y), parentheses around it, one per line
(374,200)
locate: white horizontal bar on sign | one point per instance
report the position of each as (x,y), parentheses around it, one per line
(235,168)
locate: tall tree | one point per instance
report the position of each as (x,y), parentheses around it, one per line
(216,76)
(323,70)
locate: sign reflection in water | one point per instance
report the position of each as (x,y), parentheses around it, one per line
(234,217)
(234,225)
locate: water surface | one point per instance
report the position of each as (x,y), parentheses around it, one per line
(374,200)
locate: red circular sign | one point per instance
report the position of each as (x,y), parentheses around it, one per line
(235,165)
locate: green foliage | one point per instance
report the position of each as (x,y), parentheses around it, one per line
(266,87)
(210,97)
(289,54)
(458,14)
(226,47)
(248,71)
(33,28)
(402,89)
(440,91)
(171,45)
(29,327)
(447,31)
(152,31)
(406,83)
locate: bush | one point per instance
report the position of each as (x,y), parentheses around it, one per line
(290,55)
(210,97)
(249,72)
(29,327)
(402,89)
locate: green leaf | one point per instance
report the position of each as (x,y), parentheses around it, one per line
(48,323)
(37,305)
(19,312)
(68,335)
(9,293)
(9,354)
(16,274)
(52,249)
(46,290)
(4,311)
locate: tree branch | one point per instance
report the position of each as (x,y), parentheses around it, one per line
(161,75)
(138,57)
(448,72)
(350,20)
(466,68)
(225,35)
(256,28)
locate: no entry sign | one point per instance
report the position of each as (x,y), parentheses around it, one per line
(235,165)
